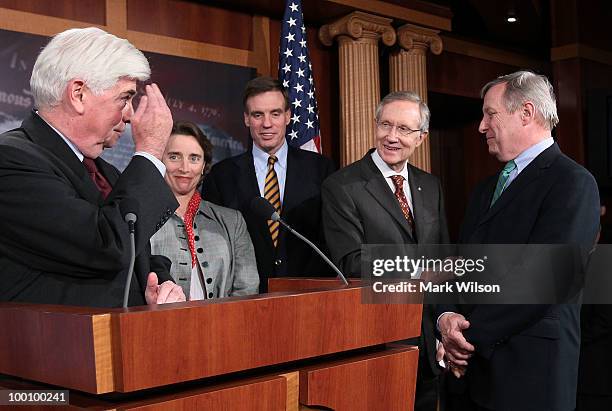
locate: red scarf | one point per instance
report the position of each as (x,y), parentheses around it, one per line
(192,209)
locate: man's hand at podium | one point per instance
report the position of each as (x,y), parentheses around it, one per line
(167,292)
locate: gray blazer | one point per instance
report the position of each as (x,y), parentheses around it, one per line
(224,250)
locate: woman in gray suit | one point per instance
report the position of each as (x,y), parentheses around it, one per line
(209,245)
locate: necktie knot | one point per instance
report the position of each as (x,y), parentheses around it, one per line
(90,165)
(502,181)
(509,167)
(398,182)
(98,179)
(271,160)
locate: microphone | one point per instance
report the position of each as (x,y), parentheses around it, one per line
(263,209)
(129,210)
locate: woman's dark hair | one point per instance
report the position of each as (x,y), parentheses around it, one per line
(191,129)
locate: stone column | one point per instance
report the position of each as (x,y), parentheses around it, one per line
(408,72)
(358,34)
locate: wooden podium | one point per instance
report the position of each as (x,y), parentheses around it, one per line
(321,348)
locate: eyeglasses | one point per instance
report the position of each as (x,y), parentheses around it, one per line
(401,130)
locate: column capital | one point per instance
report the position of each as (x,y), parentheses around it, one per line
(359,25)
(411,37)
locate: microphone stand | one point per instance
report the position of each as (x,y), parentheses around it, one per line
(314,247)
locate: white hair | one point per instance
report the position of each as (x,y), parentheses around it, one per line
(99,58)
(523,86)
(424,113)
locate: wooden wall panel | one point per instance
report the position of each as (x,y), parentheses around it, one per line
(89,11)
(191,21)
(461,75)
(570,131)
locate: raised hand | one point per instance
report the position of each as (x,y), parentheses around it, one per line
(152,122)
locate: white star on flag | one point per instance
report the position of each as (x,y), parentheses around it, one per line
(295,73)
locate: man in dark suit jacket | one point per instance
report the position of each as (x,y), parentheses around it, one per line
(234,183)
(360,206)
(522,357)
(61,241)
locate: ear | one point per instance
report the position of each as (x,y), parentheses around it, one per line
(76,91)
(421,138)
(246,120)
(527,113)
(287,117)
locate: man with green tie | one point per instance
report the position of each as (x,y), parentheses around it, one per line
(522,357)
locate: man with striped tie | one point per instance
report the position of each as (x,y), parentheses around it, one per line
(289,178)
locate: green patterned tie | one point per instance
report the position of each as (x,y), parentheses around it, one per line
(503,179)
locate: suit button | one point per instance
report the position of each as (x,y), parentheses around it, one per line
(208,280)
(278,262)
(200,250)
(210,295)
(197,238)
(204,264)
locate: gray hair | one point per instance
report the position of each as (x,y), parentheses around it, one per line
(99,58)
(407,96)
(523,86)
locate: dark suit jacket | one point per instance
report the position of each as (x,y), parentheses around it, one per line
(359,208)
(232,183)
(527,355)
(60,242)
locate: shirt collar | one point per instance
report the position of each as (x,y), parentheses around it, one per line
(384,168)
(260,157)
(527,156)
(74,148)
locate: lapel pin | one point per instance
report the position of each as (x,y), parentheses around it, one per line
(419,188)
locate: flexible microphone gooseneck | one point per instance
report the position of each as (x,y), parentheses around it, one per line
(262,208)
(128,210)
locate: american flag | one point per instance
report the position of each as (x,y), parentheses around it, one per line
(295,72)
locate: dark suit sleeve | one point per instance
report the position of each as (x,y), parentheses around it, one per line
(444,236)
(342,227)
(49,226)
(571,212)
(161,266)
(210,189)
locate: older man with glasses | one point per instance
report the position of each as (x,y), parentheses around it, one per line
(382,199)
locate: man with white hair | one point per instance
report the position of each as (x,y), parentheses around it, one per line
(383,199)
(63,239)
(522,357)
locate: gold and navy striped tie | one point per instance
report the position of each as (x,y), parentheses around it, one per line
(272,194)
